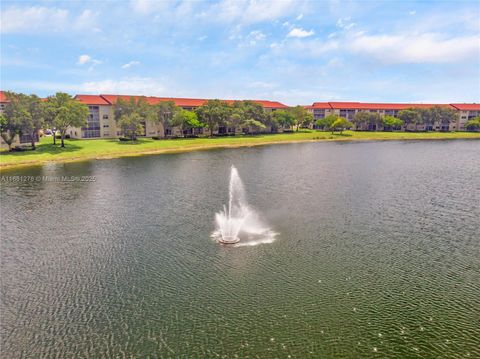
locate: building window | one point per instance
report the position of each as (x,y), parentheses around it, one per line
(350,114)
(317,114)
(105,117)
(93,123)
(105,126)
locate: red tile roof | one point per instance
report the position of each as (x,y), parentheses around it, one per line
(92,100)
(321,105)
(467,106)
(381,106)
(186,102)
(3,98)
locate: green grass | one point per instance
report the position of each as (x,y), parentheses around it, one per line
(94,149)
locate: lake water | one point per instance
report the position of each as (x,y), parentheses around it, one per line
(377,255)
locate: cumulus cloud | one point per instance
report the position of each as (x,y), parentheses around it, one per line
(251,11)
(83,59)
(34,19)
(299,32)
(130,64)
(345,23)
(415,48)
(128,85)
(148,6)
(87,59)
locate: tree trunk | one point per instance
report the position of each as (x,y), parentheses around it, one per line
(32,138)
(211,132)
(54,137)
(62,134)
(8,140)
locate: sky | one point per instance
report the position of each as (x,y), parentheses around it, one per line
(292,51)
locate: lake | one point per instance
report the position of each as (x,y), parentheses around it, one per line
(376,254)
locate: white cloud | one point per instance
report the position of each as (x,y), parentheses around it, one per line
(413,12)
(83,59)
(132,86)
(145,7)
(345,23)
(87,20)
(35,18)
(252,39)
(251,11)
(313,48)
(87,59)
(415,48)
(299,17)
(299,32)
(130,64)
(256,35)
(129,85)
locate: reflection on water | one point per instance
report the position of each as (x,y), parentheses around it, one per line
(376,254)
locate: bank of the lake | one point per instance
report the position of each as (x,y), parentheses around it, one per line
(79,150)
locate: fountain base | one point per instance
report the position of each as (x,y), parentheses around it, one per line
(228,240)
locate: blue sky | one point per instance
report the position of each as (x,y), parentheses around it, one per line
(296,52)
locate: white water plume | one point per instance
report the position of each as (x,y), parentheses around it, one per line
(238,223)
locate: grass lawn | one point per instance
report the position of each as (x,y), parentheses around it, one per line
(109,148)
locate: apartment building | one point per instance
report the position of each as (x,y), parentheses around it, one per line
(349,109)
(466,111)
(101,122)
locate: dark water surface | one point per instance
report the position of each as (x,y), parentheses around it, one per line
(378,255)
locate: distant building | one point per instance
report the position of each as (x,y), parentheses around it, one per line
(349,109)
(467,111)
(101,122)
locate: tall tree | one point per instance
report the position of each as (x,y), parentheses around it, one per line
(164,113)
(131,113)
(391,123)
(445,116)
(63,112)
(367,120)
(244,111)
(186,120)
(409,117)
(254,125)
(284,118)
(340,124)
(473,124)
(326,123)
(9,128)
(34,123)
(302,116)
(15,115)
(130,125)
(213,113)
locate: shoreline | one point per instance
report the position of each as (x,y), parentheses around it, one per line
(223,145)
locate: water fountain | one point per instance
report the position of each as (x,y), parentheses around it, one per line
(239,218)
